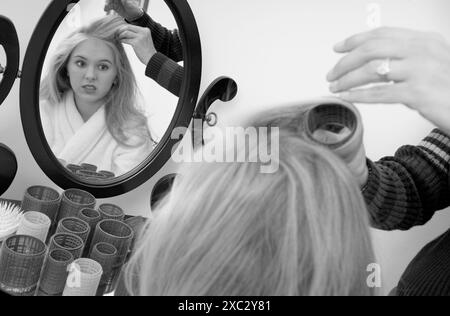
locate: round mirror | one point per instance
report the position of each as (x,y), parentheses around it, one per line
(101,92)
(9,56)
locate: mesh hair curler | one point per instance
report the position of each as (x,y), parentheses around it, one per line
(337,125)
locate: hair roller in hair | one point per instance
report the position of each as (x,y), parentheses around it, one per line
(337,124)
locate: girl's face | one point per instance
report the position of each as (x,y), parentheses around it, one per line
(92,71)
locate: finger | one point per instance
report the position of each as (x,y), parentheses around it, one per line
(124,37)
(127,28)
(135,28)
(128,41)
(109,6)
(373,49)
(390,93)
(354,41)
(127,35)
(368,73)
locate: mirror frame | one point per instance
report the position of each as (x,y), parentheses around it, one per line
(29,102)
(10,43)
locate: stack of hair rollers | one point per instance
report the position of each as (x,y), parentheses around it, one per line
(83,256)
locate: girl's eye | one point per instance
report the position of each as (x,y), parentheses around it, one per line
(103,67)
(80,63)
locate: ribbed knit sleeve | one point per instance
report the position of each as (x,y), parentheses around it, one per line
(166,41)
(405,190)
(165,72)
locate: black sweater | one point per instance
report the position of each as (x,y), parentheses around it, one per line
(405,191)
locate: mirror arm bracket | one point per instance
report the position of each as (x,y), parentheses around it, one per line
(224,89)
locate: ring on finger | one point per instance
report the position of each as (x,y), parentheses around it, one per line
(384,69)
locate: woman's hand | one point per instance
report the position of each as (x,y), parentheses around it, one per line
(128,9)
(416,65)
(140,39)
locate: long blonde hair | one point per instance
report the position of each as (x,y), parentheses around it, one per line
(123,118)
(227,229)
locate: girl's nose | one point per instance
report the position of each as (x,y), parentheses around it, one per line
(91,73)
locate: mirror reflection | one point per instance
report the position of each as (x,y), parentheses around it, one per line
(110,85)
(2,62)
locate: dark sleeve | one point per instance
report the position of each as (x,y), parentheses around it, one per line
(166,73)
(406,190)
(166,42)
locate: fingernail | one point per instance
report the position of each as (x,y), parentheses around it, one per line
(330,75)
(339,46)
(334,87)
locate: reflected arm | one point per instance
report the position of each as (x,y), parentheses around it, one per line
(163,67)
(166,42)
(406,190)
(166,73)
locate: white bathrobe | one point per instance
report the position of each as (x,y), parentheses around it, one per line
(76,142)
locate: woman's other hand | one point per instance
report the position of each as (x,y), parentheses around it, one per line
(415,64)
(128,9)
(140,39)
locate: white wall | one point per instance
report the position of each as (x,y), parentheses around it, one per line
(278,52)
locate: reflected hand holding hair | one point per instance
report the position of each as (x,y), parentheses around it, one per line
(140,38)
(128,9)
(418,69)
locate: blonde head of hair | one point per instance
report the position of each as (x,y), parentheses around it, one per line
(228,229)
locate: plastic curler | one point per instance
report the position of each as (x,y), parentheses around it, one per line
(107,174)
(111,211)
(337,125)
(87,174)
(73,168)
(105,254)
(92,217)
(118,234)
(74,200)
(90,167)
(70,242)
(76,226)
(35,224)
(84,278)
(21,261)
(43,200)
(55,272)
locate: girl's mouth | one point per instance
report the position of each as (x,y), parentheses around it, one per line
(89,88)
